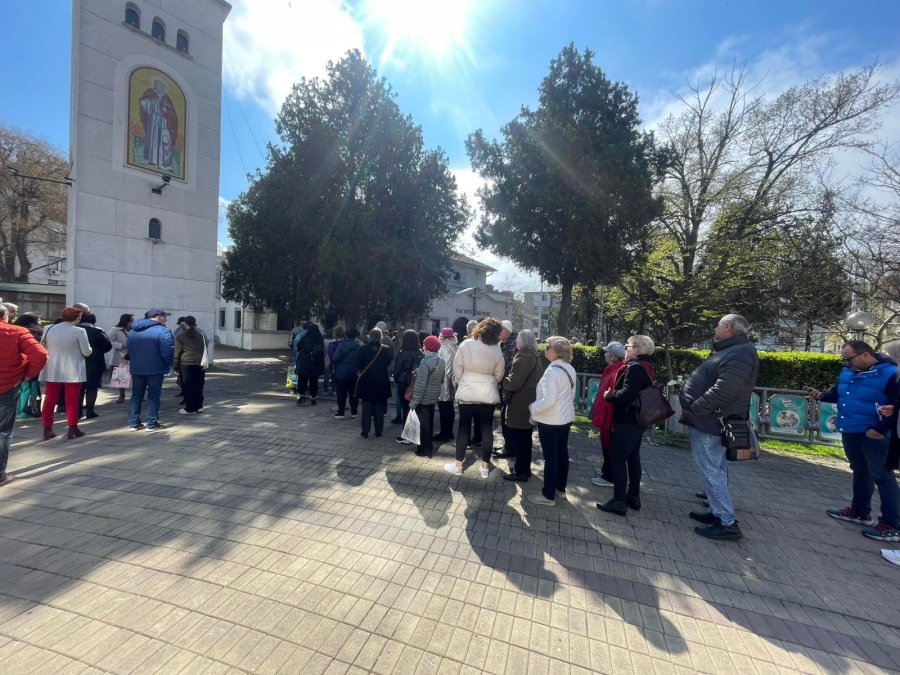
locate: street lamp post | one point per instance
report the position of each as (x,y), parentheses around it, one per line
(859,322)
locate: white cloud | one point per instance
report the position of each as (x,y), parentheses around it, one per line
(224,241)
(271,44)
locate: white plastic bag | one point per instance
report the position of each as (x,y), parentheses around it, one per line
(411,428)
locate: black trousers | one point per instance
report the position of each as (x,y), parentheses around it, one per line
(555,444)
(625,460)
(519,443)
(346,388)
(193,378)
(425,413)
(482,416)
(312,381)
(373,411)
(404,404)
(448,416)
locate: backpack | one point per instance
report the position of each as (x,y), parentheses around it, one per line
(316,354)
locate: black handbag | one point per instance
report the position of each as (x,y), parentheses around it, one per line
(738,438)
(652,406)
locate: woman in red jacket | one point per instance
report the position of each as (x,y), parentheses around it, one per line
(614,353)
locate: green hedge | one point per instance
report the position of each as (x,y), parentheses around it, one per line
(781,370)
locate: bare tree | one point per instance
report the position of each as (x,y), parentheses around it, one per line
(871,232)
(740,167)
(32,207)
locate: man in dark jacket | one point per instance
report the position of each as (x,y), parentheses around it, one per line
(720,386)
(95,364)
(508,346)
(151,351)
(867,382)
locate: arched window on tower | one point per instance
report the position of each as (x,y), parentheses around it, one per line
(182,42)
(155,229)
(133,16)
(158,30)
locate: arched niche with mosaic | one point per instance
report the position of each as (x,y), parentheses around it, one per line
(157,123)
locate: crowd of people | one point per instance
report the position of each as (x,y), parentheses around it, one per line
(491,367)
(72,357)
(473,375)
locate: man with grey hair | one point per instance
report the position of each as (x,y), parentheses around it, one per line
(12,311)
(720,387)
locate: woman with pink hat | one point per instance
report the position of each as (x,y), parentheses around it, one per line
(426,391)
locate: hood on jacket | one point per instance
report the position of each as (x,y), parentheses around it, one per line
(144,324)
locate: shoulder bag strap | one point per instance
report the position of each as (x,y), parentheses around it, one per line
(568,377)
(374,359)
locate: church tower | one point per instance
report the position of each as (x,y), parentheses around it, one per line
(145,140)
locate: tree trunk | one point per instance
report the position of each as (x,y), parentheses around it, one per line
(565,309)
(807,343)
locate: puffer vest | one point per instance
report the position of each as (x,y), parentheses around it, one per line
(859,393)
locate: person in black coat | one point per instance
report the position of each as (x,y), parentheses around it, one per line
(405,365)
(627,434)
(309,363)
(95,365)
(373,384)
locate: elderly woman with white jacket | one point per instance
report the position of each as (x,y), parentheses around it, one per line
(477,370)
(67,346)
(554,412)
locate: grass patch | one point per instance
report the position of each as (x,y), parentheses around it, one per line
(582,421)
(804,449)
(216,369)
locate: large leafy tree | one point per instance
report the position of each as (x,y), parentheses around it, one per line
(352,217)
(32,201)
(569,190)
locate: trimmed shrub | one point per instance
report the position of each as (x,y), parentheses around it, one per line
(777,370)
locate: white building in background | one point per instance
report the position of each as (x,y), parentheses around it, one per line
(469,297)
(541,310)
(145,138)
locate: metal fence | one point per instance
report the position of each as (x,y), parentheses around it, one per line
(779,414)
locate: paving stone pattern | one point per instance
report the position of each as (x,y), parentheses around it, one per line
(261,537)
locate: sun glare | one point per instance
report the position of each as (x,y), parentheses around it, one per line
(432,26)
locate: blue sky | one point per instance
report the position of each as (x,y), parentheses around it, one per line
(465,64)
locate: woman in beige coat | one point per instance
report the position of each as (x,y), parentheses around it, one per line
(477,369)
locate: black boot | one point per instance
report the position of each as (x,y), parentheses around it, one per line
(703,517)
(633,503)
(720,532)
(612,506)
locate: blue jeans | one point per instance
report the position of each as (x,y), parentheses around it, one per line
(327,381)
(9,401)
(398,406)
(555,445)
(867,458)
(709,456)
(152,384)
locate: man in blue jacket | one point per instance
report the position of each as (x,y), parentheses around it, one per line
(151,351)
(867,382)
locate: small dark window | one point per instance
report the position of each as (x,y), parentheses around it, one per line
(221,318)
(155,229)
(158,31)
(132,18)
(181,42)
(237,319)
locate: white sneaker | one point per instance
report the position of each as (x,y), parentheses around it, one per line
(485,471)
(199,409)
(338,417)
(185,412)
(601,482)
(353,416)
(561,495)
(541,500)
(452,468)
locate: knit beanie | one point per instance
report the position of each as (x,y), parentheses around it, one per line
(432,344)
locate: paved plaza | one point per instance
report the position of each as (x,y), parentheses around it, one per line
(261,537)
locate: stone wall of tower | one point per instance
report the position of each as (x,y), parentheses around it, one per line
(145,107)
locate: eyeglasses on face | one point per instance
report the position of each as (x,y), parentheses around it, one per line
(848,359)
